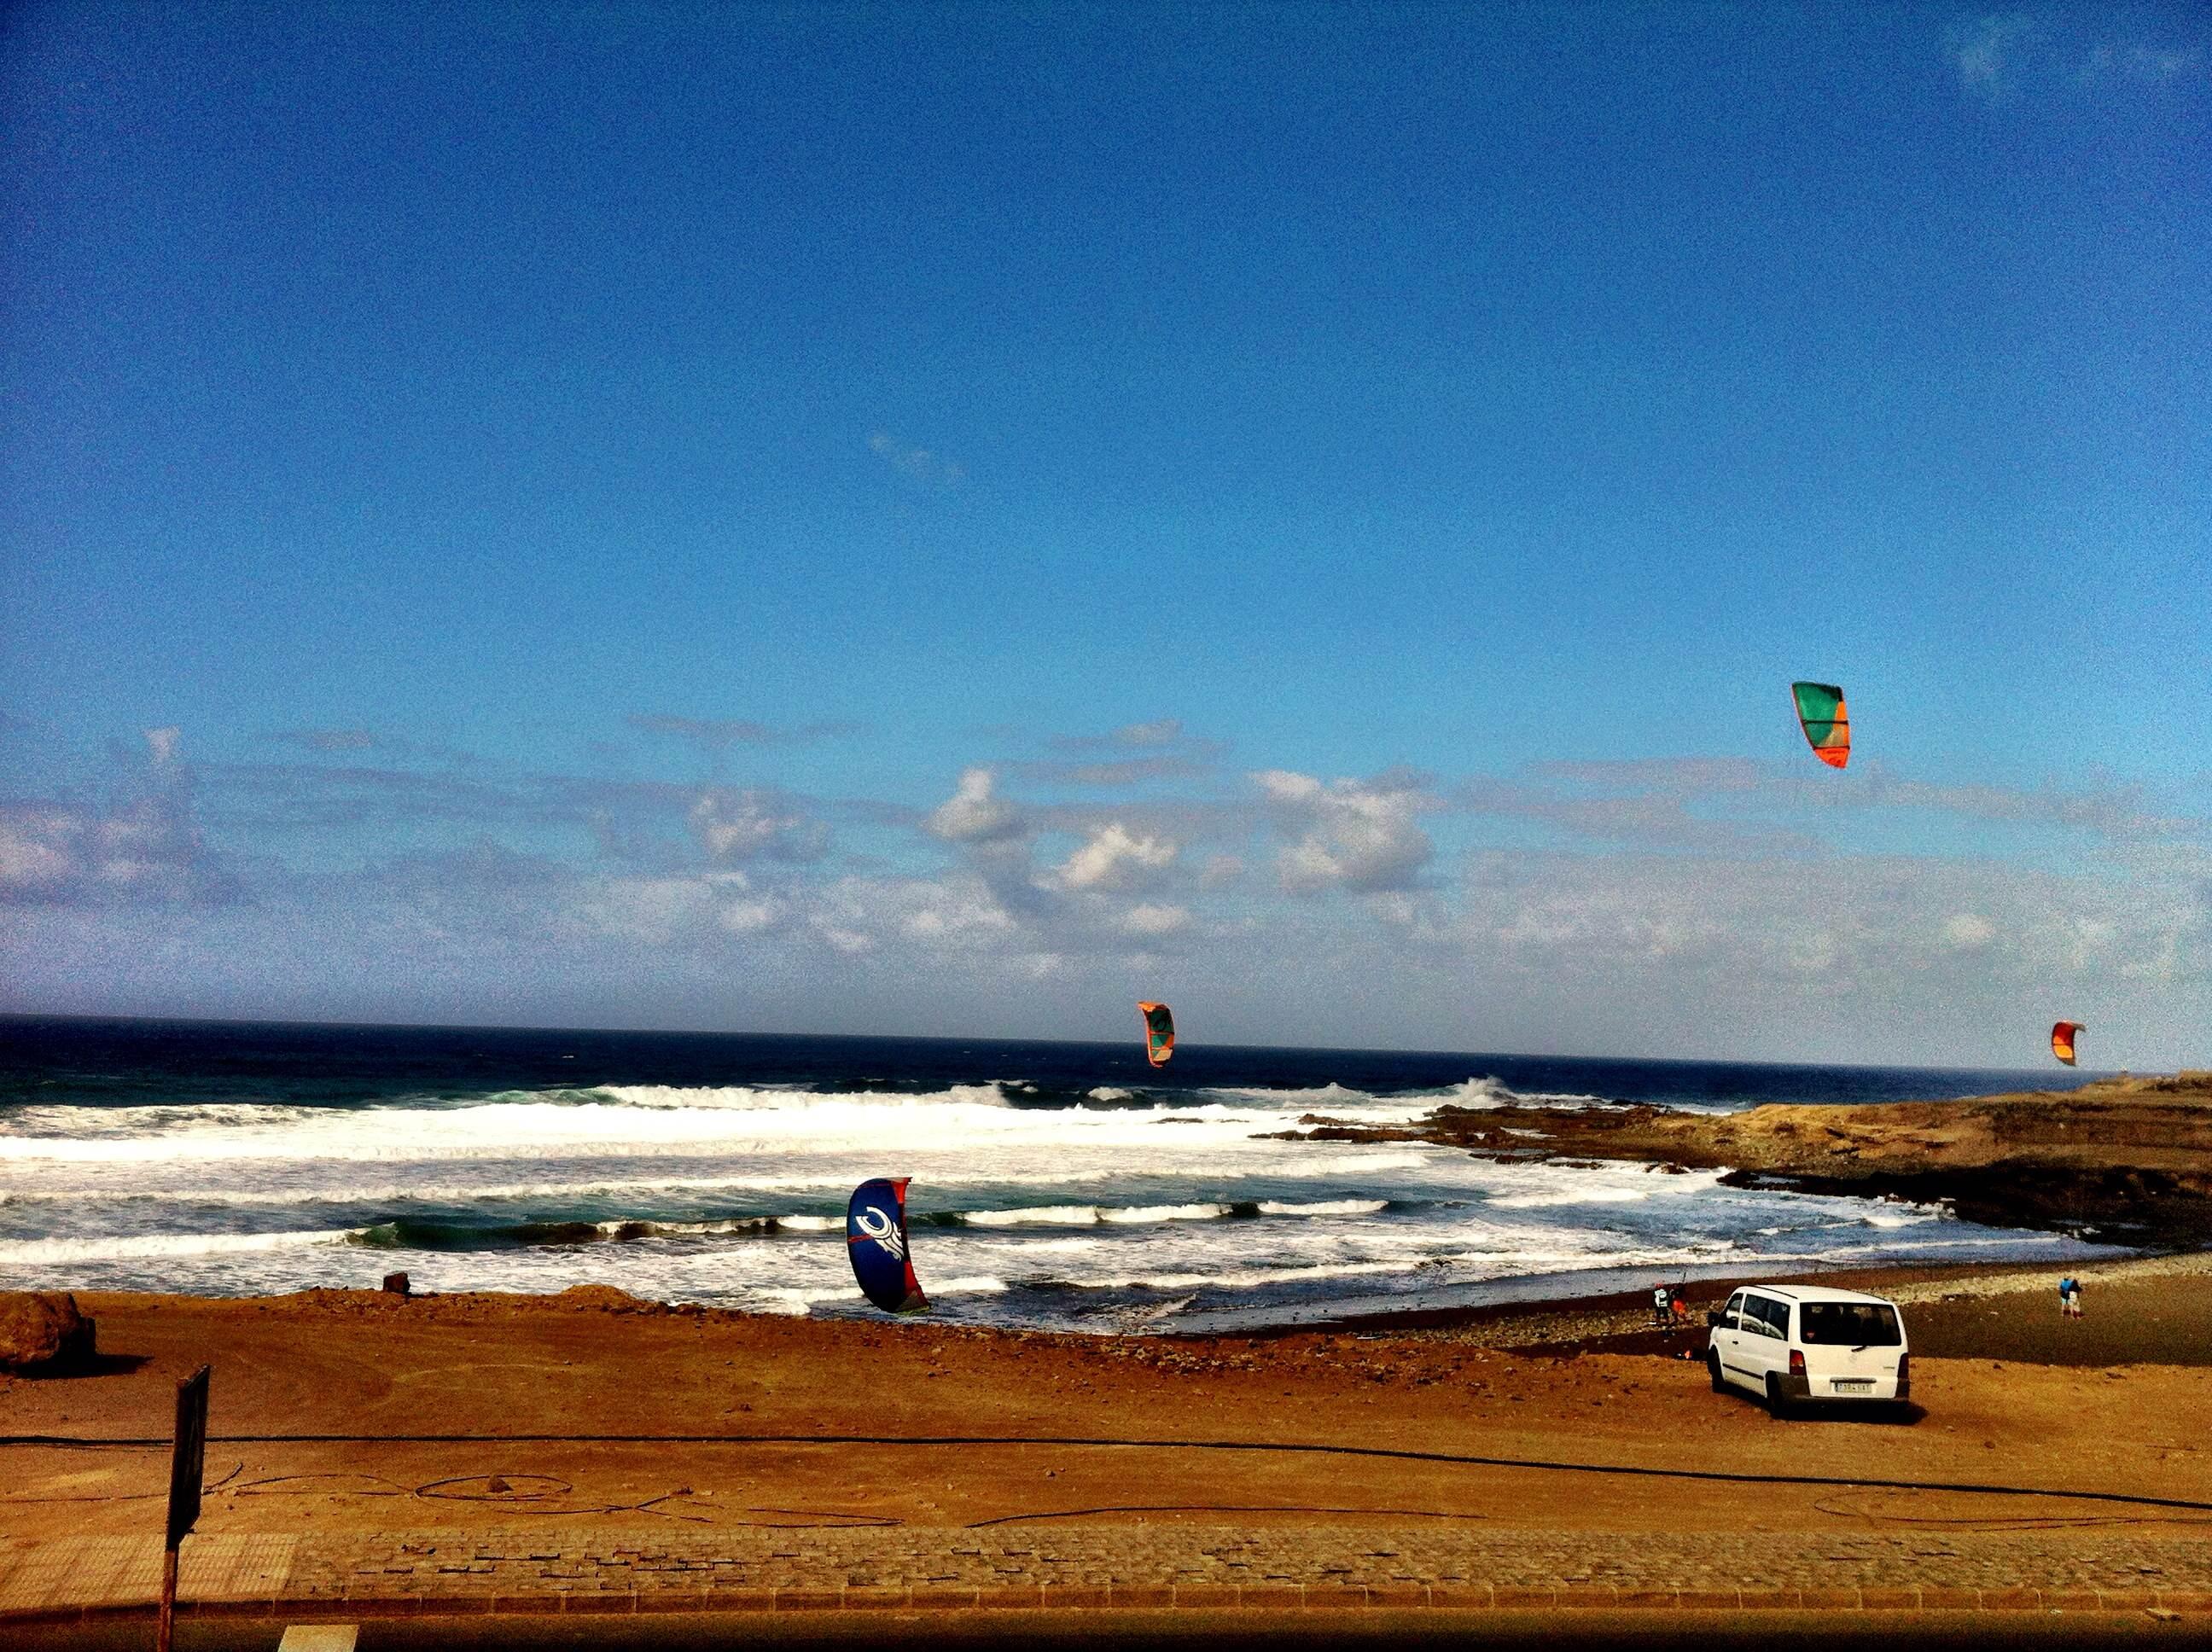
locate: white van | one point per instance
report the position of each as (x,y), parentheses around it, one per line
(1788,1343)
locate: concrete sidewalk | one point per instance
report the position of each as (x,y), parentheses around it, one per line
(2100,1567)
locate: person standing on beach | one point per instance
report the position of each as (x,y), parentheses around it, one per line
(1659,1305)
(2073,1298)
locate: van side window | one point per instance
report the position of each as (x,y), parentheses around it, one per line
(1731,1316)
(1767,1317)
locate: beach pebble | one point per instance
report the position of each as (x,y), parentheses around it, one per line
(38,1328)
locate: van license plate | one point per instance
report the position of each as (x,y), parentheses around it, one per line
(1855,1385)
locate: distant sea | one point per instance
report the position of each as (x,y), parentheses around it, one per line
(1055,1185)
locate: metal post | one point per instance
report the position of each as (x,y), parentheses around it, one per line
(165,1620)
(187,1465)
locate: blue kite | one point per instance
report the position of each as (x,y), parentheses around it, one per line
(875,1238)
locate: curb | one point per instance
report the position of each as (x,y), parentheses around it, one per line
(1294,1598)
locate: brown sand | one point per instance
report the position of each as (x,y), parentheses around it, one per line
(943,1426)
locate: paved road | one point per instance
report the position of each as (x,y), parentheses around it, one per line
(2082,1568)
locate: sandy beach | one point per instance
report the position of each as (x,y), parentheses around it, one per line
(374,1456)
(351,1416)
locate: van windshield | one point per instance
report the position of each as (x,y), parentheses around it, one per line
(1852,1324)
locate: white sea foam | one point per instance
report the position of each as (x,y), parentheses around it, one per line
(1570,1196)
(958,1123)
(1489,1093)
(1330,1095)
(756,1098)
(1060,1215)
(1248,1278)
(46,1253)
(1068,1216)
(1909,1216)
(796,1305)
(735,1195)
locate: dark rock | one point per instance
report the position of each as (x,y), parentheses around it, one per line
(396,1284)
(42,1328)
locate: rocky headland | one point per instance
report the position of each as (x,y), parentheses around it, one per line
(2126,1160)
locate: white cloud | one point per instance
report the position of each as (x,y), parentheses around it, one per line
(2000,55)
(2113,813)
(1150,918)
(1988,51)
(917,463)
(1153,750)
(1703,939)
(2142,63)
(1114,859)
(1361,835)
(1966,930)
(1165,731)
(38,849)
(741,825)
(662,911)
(1745,936)
(144,844)
(851,915)
(746,917)
(959,913)
(973,814)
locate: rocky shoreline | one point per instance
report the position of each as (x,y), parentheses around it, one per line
(2125,1161)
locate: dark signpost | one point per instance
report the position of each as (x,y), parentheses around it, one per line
(187,1465)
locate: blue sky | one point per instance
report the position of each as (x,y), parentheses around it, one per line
(947,520)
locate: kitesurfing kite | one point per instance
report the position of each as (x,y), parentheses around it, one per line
(1159,1033)
(2062,1039)
(875,1238)
(1827,726)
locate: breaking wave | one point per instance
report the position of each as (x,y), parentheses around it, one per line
(1030,1204)
(37,1253)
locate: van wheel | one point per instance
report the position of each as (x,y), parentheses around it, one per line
(1713,1370)
(1777,1403)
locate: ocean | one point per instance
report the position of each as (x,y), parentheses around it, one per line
(1061,1186)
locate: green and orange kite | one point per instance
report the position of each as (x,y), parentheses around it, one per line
(1827,726)
(1159,1033)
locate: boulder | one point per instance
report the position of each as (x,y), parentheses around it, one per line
(42,1327)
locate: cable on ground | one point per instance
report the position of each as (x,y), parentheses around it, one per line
(1391,1454)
